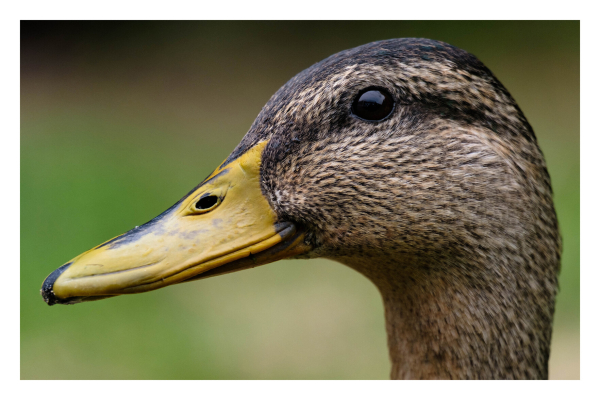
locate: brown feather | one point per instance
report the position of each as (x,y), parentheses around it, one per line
(446,205)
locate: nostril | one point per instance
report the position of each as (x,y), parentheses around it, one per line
(47,292)
(207,202)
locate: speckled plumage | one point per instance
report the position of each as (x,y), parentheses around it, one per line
(446,205)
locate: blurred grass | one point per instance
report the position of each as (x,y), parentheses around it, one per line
(119,120)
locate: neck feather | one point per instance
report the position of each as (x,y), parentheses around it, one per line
(462,321)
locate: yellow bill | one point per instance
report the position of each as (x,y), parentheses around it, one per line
(224,225)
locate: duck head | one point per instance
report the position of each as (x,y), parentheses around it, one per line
(404,159)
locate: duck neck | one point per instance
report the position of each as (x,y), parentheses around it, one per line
(461,322)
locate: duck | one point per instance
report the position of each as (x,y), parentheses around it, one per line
(404,159)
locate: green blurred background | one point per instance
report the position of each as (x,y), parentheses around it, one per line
(120,119)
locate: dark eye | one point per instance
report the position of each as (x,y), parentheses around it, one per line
(373,104)
(206,203)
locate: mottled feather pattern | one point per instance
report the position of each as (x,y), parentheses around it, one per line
(446,205)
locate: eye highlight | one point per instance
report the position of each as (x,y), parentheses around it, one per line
(373,104)
(207,203)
